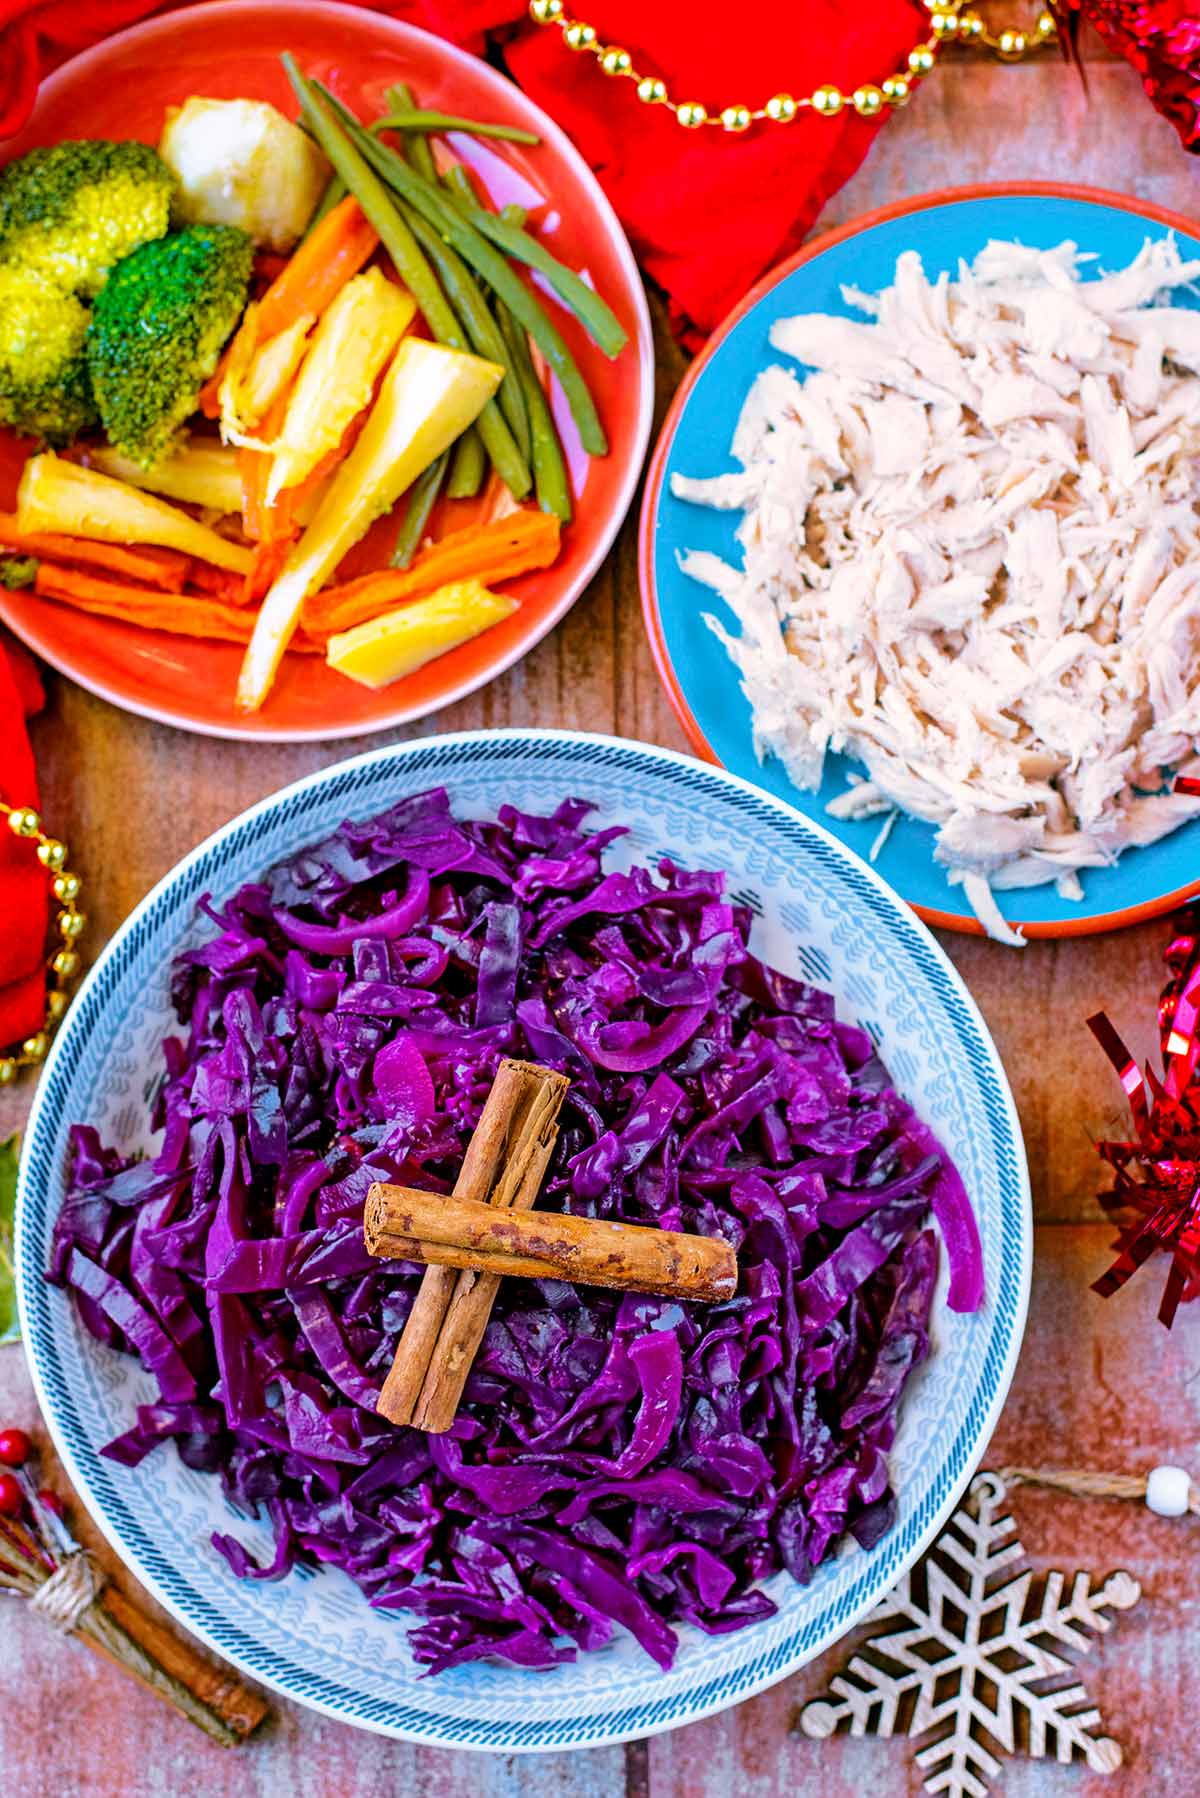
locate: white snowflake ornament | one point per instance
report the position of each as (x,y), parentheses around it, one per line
(974,1661)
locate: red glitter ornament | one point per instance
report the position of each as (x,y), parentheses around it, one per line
(1157,1172)
(1161,38)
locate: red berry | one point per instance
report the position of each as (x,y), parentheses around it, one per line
(52,1502)
(12,1499)
(15,1448)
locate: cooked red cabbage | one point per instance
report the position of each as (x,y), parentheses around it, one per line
(617,1460)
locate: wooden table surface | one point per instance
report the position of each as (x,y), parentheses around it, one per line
(1100,1385)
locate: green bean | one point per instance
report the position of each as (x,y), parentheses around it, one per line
(335,193)
(593,313)
(456,180)
(422,497)
(466,459)
(466,473)
(448,220)
(377,203)
(379,207)
(467,467)
(415,148)
(549,464)
(461,290)
(513,214)
(414,118)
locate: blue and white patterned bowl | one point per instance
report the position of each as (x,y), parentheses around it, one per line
(821,913)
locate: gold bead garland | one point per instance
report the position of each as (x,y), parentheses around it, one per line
(70,922)
(948,23)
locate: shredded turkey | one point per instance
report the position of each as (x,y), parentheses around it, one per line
(971,545)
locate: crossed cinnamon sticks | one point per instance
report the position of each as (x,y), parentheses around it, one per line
(483,1231)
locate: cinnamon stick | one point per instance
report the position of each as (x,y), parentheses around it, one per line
(471,1306)
(218,1689)
(517,1120)
(407,1225)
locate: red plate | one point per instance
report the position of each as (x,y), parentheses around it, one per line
(232,48)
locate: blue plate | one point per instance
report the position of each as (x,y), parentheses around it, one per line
(819,913)
(695,440)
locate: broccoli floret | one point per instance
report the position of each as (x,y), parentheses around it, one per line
(157,330)
(44,386)
(18,571)
(71,211)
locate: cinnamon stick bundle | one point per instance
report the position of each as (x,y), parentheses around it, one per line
(41,1561)
(407,1225)
(209,1685)
(505,1164)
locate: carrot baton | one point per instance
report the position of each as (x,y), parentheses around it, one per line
(217,583)
(254,466)
(269,558)
(516,544)
(342,243)
(209,403)
(184,615)
(164,568)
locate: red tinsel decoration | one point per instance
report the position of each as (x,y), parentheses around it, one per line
(1161,38)
(1157,1174)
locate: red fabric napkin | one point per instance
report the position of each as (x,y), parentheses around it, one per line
(707,213)
(23,881)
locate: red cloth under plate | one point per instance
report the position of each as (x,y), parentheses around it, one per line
(23,880)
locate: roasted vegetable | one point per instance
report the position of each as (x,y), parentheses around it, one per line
(411,265)
(44,388)
(153,566)
(240,162)
(551,479)
(468,465)
(384,649)
(414,118)
(519,543)
(200,473)
(456,230)
(349,348)
(59,496)
(256,377)
(157,330)
(418,508)
(330,254)
(428,398)
(186,614)
(69,212)
(274,364)
(17,572)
